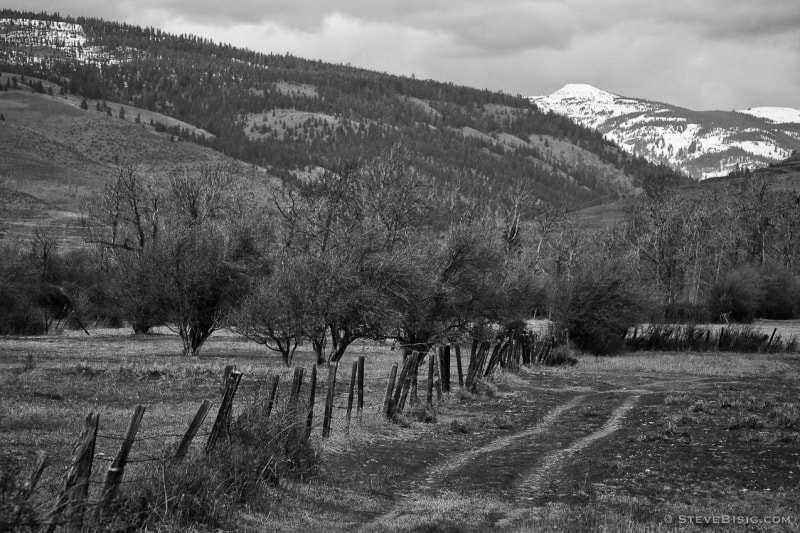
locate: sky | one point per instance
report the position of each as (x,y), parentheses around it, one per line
(699,54)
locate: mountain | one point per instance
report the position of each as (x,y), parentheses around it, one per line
(93,94)
(701,144)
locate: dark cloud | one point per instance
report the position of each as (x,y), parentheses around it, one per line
(696,53)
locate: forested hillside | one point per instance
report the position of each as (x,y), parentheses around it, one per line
(290,114)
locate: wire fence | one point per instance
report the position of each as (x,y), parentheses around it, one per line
(319,410)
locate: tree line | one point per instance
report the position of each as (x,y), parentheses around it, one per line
(372,249)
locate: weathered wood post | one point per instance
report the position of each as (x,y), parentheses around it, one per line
(273,394)
(771,337)
(387,400)
(224,413)
(297,383)
(360,407)
(429,397)
(457,349)
(445,362)
(326,422)
(72,501)
(191,432)
(312,386)
(42,462)
(437,378)
(404,386)
(117,469)
(350,393)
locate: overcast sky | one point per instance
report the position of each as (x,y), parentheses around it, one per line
(700,54)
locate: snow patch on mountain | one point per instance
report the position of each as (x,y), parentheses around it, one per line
(701,144)
(778,115)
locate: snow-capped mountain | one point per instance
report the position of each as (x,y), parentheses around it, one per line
(701,143)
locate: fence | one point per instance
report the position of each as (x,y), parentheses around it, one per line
(83,495)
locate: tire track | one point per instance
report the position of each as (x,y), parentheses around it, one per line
(532,484)
(434,474)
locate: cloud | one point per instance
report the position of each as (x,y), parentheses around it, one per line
(695,53)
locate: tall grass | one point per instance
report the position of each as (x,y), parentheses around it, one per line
(690,337)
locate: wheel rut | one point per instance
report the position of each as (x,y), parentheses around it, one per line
(432,479)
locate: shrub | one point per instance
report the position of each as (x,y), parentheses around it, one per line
(597,307)
(748,292)
(736,294)
(779,293)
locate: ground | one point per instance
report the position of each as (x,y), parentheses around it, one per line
(640,442)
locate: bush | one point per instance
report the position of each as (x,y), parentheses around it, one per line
(597,307)
(736,295)
(749,292)
(779,293)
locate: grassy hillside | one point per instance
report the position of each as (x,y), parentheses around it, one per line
(55,154)
(286,113)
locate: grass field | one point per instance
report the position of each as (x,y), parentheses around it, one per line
(633,443)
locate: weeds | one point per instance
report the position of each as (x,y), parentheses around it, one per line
(208,489)
(743,338)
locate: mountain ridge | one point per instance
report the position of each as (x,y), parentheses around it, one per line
(701,144)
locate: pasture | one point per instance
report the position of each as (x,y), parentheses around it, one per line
(636,442)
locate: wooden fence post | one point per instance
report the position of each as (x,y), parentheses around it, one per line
(72,501)
(273,393)
(387,400)
(117,468)
(42,462)
(224,413)
(326,422)
(774,331)
(194,427)
(351,392)
(457,349)
(360,407)
(445,362)
(437,378)
(404,385)
(528,341)
(429,398)
(312,385)
(401,383)
(297,383)
(497,354)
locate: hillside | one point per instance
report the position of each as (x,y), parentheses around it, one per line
(288,114)
(701,144)
(55,154)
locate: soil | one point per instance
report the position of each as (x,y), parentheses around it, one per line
(551,439)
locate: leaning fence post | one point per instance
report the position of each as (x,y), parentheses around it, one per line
(272,394)
(401,383)
(194,427)
(42,462)
(223,415)
(405,384)
(387,400)
(117,468)
(297,383)
(312,384)
(72,500)
(360,386)
(771,337)
(351,391)
(326,422)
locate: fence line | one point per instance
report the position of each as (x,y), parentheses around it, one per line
(72,503)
